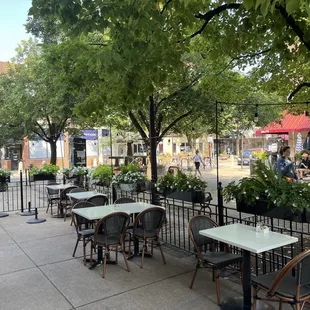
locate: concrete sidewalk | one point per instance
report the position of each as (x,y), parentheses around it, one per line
(37,271)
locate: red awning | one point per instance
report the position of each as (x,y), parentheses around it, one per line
(288,123)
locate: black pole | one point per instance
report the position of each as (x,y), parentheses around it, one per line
(219,184)
(114,193)
(21,191)
(153,145)
(35,213)
(29,177)
(111,151)
(29,206)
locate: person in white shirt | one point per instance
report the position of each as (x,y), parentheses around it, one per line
(197,161)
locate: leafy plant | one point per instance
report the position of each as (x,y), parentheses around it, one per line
(262,155)
(5,173)
(129,168)
(269,186)
(46,169)
(129,177)
(103,173)
(74,171)
(180,182)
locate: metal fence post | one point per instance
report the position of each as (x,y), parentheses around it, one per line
(220,203)
(21,191)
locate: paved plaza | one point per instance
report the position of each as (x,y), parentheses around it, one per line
(37,271)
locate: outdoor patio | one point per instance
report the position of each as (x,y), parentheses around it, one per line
(37,271)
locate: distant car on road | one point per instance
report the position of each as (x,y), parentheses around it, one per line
(246,156)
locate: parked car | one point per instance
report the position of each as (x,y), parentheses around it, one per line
(246,156)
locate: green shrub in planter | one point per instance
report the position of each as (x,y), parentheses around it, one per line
(47,169)
(103,174)
(266,185)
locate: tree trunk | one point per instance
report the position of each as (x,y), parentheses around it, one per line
(153,145)
(53,146)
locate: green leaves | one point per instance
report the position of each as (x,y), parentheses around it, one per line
(248,4)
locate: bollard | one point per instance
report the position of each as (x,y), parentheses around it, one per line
(36,220)
(21,192)
(29,212)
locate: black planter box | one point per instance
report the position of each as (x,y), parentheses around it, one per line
(103,183)
(4,179)
(306,216)
(260,207)
(191,196)
(43,177)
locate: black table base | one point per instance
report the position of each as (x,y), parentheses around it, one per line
(60,216)
(236,303)
(245,302)
(99,261)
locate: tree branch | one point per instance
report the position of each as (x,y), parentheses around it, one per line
(138,126)
(98,44)
(174,123)
(42,129)
(143,118)
(192,83)
(243,57)
(165,6)
(40,135)
(207,17)
(295,27)
(158,123)
(297,89)
(61,127)
(49,123)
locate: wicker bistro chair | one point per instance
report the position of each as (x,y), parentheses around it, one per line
(52,196)
(82,226)
(99,200)
(74,201)
(209,258)
(127,200)
(146,227)
(289,285)
(124,200)
(110,233)
(65,202)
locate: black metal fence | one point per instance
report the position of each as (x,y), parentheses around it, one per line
(19,193)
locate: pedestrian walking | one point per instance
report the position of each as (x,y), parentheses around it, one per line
(197,161)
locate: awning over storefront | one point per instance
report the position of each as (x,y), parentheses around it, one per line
(288,123)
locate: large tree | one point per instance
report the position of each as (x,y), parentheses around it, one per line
(32,98)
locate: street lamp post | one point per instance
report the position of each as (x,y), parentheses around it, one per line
(219,184)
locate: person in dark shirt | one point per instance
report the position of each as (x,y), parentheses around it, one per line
(284,165)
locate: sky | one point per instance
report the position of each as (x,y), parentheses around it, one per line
(13,16)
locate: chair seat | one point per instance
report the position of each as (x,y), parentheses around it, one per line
(86,232)
(287,288)
(64,203)
(111,240)
(54,197)
(148,233)
(221,259)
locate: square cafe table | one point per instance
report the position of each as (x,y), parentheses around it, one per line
(98,212)
(83,195)
(58,187)
(246,238)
